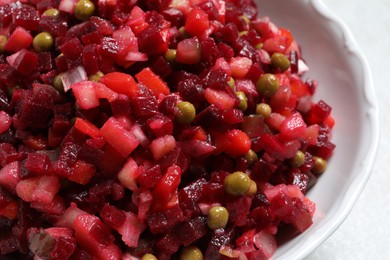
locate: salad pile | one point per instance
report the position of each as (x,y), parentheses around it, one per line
(153,129)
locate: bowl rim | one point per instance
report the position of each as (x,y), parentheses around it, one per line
(355,188)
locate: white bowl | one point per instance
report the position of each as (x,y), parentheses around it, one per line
(346,84)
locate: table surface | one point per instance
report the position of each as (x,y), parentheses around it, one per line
(365,234)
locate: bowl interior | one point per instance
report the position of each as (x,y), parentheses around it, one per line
(344,83)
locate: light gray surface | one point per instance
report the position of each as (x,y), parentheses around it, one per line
(366,232)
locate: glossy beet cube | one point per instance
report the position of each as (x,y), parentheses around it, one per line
(24,61)
(45,61)
(102,25)
(175,16)
(90,59)
(7,153)
(145,104)
(33,114)
(109,48)
(189,196)
(163,221)
(95,237)
(192,230)
(27,17)
(160,125)
(56,26)
(38,163)
(72,48)
(151,42)
(18,40)
(319,112)
(112,216)
(148,178)
(10,175)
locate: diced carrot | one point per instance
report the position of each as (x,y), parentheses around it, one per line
(152,81)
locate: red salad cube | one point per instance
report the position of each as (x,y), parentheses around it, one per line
(18,40)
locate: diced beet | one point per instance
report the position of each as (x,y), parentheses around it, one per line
(293,127)
(167,186)
(148,178)
(175,16)
(72,48)
(26,17)
(5,122)
(191,89)
(144,105)
(151,42)
(221,237)
(8,153)
(197,148)
(38,163)
(121,139)
(10,176)
(23,61)
(192,230)
(189,196)
(177,157)
(319,112)
(238,209)
(163,221)
(57,206)
(160,125)
(18,40)
(45,61)
(64,248)
(90,59)
(92,235)
(168,245)
(56,26)
(108,48)
(112,216)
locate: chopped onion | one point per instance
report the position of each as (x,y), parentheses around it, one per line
(72,76)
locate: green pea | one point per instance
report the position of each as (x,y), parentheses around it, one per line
(245,19)
(251,157)
(57,82)
(186,112)
(96,77)
(170,55)
(320,165)
(84,9)
(52,12)
(218,217)
(148,257)
(191,253)
(279,60)
(298,159)
(231,83)
(259,46)
(264,110)
(237,183)
(43,42)
(267,85)
(243,33)
(183,33)
(252,189)
(3,41)
(243,105)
